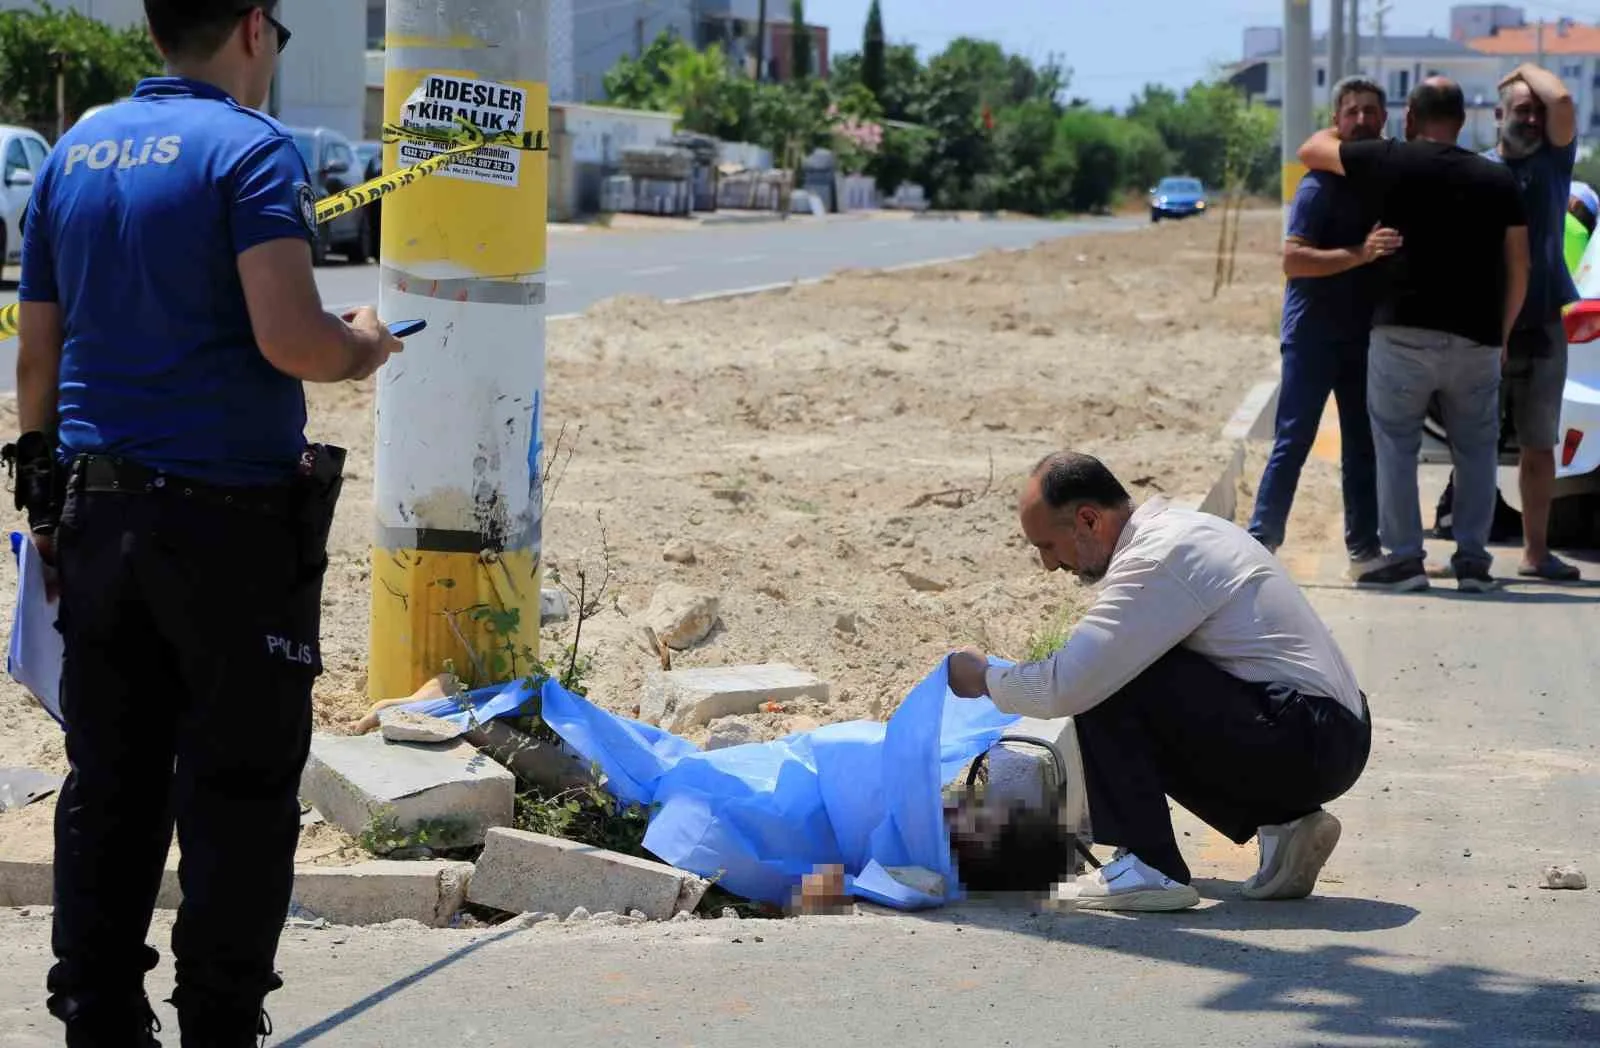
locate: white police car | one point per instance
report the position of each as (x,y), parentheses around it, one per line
(22,155)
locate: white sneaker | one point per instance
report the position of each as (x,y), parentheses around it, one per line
(1292,855)
(1126,884)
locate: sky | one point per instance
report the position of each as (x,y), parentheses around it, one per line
(1115,47)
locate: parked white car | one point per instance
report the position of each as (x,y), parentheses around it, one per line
(22,154)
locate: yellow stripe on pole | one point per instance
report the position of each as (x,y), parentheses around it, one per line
(456,554)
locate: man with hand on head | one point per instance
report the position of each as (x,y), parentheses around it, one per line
(169,316)
(1539,144)
(1327,319)
(1447,302)
(1200,673)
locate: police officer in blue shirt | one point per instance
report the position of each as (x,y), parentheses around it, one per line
(169,315)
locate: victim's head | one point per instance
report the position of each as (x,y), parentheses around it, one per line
(1073,511)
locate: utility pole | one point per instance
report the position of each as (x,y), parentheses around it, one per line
(761,42)
(1354,41)
(1383,8)
(457,482)
(1538,43)
(1296,93)
(1335,44)
(58,65)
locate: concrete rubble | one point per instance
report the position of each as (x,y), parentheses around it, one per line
(407,726)
(1568,878)
(553,606)
(680,616)
(457,791)
(731,731)
(521,872)
(550,767)
(681,699)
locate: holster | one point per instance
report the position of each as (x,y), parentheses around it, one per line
(317,485)
(40,481)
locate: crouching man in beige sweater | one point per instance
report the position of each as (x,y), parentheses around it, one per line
(1200,673)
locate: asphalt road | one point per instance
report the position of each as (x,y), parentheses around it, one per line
(1428,929)
(588,267)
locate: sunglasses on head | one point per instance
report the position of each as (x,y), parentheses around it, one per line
(281,29)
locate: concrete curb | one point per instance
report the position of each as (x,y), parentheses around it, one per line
(376,892)
(1252,420)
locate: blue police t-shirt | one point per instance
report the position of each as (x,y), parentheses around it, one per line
(1327,213)
(134,228)
(1545,179)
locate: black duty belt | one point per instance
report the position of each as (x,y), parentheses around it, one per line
(105,474)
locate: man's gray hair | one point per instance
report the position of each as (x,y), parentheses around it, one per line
(1358,85)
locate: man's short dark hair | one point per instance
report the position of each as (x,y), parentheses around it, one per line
(1069,477)
(1358,85)
(194,30)
(1437,102)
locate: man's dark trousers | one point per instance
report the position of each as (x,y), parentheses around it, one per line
(1238,755)
(1312,371)
(191,635)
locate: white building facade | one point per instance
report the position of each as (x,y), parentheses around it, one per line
(321,79)
(1398,63)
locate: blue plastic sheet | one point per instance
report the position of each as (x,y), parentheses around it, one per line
(759,817)
(863,795)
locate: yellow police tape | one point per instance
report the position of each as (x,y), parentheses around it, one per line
(468,139)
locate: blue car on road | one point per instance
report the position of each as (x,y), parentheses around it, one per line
(1177,197)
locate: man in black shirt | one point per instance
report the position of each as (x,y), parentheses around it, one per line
(1444,312)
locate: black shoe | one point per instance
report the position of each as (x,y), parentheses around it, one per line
(218,1028)
(1400,576)
(133,1025)
(1475,578)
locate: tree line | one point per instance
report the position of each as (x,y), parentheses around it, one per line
(977,127)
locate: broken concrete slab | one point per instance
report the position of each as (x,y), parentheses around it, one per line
(361,894)
(541,764)
(409,726)
(1027,774)
(521,872)
(681,699)
(456,791)
(376,892)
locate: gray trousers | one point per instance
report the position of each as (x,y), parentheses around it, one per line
(1405,368)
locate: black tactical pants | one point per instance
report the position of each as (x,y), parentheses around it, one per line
(1238,755)
(191,634)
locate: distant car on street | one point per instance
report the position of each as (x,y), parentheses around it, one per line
(334,167)
(1177,197)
